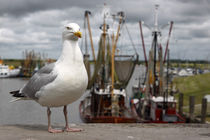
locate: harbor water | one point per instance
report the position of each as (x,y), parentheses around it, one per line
(30,112)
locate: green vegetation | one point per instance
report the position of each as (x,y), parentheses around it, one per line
(17,62)
(13,62)
(198,86)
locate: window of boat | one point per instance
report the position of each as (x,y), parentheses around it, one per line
(159,105)
(5,73)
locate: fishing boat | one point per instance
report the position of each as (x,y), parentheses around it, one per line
(107,98)
(8,71)
(154,102)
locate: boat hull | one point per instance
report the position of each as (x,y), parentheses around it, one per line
(149,119)
(104,119)
(101,107)
(6,72)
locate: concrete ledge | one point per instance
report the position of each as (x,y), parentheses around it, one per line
(109,131)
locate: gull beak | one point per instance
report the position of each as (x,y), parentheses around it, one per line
(78,34)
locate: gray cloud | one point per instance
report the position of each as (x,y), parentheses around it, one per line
(22,7)
(30,24)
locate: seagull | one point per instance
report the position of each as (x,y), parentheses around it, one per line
(60,83)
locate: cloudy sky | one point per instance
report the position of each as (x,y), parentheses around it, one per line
(38,24)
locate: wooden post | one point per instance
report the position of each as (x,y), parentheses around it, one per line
(191,108)
(181,95)
(203,110)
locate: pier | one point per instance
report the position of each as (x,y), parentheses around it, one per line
(111,132)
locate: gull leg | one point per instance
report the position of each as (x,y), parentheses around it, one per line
(49,123)
(65,112)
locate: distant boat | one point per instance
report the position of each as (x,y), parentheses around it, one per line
(154,102)
(185,72)
(8,71)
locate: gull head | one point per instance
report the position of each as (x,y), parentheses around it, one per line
(71,32)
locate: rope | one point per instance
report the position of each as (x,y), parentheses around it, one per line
(130,38)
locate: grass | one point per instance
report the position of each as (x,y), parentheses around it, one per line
(191,65)
(15,63)
(198,86)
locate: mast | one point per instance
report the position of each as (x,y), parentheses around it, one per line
(86,45)
(90,34)
(103,53)
(155,45)
(156,17)
(142,39)
(86,55)
(121,14)
(154,68)
(168,64)
(160,71)
(169,35)
(167,82)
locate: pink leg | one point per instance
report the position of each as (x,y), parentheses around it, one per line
(67,125)
(49,123)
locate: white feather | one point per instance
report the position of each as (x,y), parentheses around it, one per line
(71,81)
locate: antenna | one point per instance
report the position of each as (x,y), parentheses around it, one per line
(156,17)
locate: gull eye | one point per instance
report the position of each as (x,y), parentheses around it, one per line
(68,28)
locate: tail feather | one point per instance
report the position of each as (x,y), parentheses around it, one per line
(17,94)
(13,92)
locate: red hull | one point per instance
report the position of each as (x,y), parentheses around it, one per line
(133,109)
(108,119)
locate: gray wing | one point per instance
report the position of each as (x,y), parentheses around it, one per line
(41,78)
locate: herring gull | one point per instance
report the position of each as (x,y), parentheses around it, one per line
(60,83)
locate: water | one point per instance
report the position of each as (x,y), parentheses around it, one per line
(30,112)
